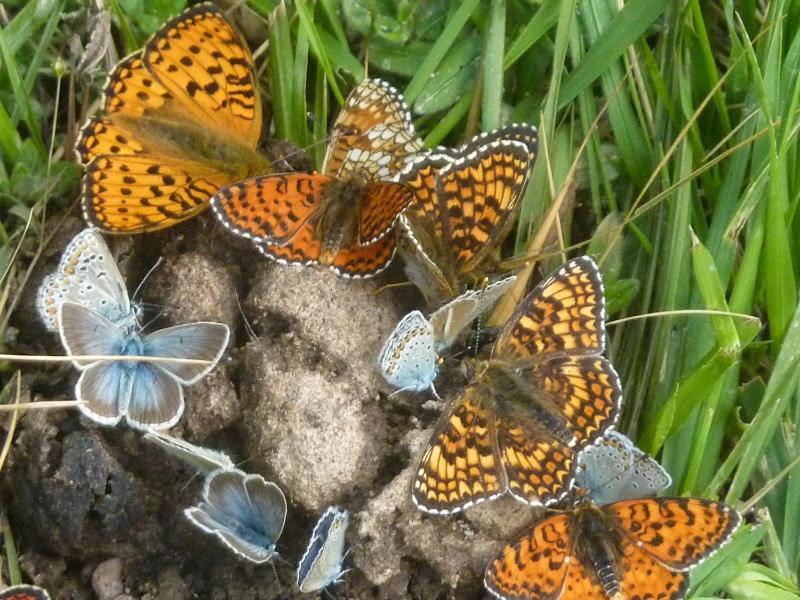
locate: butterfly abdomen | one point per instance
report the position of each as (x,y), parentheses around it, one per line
(599,546)
(337,220)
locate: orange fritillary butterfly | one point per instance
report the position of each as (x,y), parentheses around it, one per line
(545,393)
(464,203)
(180,118)
(638,548)
(24,592)
(342,216)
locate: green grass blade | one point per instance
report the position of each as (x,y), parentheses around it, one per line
(493,47)
(623,30)
(440,48)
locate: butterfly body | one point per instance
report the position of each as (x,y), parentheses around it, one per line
(336,220)
(181,140)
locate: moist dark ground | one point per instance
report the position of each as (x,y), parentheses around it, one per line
(97,512)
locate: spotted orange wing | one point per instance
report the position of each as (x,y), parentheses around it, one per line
(358,262)
(535,565)
(539,467)
(374,121)
(382,204)
(270,209)
(162,145)
(461,466)
(563,314)
(677,532)
(642,576)
(204,64)
(465,202)
(480,192)
(584,389)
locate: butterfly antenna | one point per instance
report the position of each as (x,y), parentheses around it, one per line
(389,286)
(277,557)
(153,320)
(147,275)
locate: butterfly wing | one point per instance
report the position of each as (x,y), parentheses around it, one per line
(24,592)
(642,576)
(479,193)
(357,262)
(455,316)
(374,118)
(229,514)
(86,332)
(614,469)
(516,132)
(206,68)
(382,204)
(407,359)
(321,563)
(203,459)
(200,341)
(461,466)
(584,389)
(563,314)
(270,209)
(420,268)
(539,467)
(677,532)
(104,387)
(535,565)
(87,275)
(156,398)
(182,118)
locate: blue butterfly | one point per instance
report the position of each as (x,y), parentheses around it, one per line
(321,564)
(614,469)
(245,512)
(146,394)
(409,357)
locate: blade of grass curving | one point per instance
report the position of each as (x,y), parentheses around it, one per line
(22,99)
(493,48)
(341,56)
(10,140)
(23,27)
(299,85)
(745,456)
(447,123)
(280,71)
(627,25)
(537,27)
(451,31)
(307,23)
